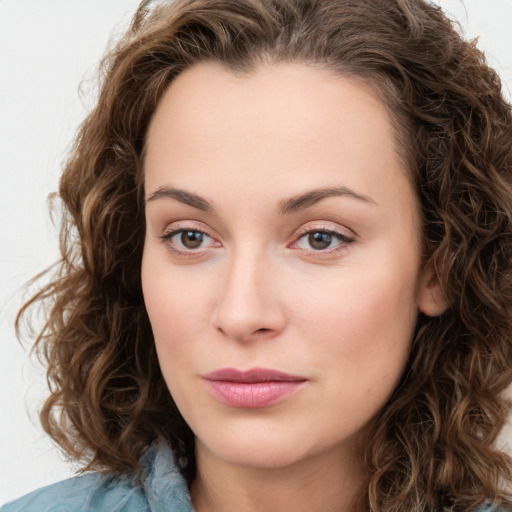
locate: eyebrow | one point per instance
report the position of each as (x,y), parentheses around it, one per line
(182,196)
(310,198)
(288,206)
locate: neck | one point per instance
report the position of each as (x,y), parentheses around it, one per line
(328,484)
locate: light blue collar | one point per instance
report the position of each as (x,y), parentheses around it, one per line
(163,483)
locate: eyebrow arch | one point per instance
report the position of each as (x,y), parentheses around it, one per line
(312,197)
(183,197)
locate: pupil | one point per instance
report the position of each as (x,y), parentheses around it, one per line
(191,239)
(320,240)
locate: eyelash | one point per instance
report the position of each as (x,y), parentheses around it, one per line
(343,239)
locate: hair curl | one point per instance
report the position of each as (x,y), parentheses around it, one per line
(432,446)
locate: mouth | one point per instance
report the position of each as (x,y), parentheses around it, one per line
(251,389)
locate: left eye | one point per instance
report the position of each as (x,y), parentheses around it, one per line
(321,240)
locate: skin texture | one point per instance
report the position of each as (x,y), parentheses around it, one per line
(256,293)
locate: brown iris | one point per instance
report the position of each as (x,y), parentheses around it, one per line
(319,240)
(191,239)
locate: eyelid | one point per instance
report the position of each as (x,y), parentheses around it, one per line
(187,224)
(327,227)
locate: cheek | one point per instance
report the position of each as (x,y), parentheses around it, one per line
(384,312)
(176,306)
(362,326)
(178,318)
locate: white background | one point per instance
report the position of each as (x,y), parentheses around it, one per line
(47,49)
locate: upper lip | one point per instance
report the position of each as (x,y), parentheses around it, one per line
(252,375)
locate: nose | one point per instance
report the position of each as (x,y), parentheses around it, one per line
(249,305)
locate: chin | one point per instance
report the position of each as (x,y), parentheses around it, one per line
(264,448)
(258,456)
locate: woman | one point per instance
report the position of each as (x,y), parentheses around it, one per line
(286,271)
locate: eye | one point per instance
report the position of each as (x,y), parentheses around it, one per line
(187,240)
(319,240)
(322,240)
(190,239)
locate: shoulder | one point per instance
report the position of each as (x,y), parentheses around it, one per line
(162,489)
(86,493)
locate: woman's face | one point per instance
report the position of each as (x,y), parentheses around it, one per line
(281,267)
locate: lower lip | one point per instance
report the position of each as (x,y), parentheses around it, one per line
(252,395)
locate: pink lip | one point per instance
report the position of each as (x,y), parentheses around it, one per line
(258,387)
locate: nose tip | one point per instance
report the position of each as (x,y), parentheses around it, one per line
(244,324)
(248,307)
(239,332)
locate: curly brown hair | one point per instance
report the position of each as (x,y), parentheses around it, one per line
(432,446)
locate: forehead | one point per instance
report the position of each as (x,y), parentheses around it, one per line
(289,126)
(293,98)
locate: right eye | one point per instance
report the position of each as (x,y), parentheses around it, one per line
(188,241)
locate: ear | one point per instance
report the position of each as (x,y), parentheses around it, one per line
(432,300)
